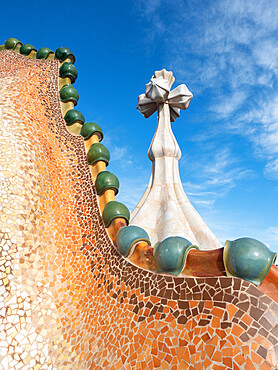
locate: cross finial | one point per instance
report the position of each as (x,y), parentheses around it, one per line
(158,92)
(164,209)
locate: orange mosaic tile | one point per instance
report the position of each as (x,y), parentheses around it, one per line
(68,299)
(239,359)
(265,366)
(256,358)
(228,362)
(249,364)
(219,367)
(206,363)
(231,310)
(217,356)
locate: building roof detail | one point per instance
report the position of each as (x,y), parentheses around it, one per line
(164,210)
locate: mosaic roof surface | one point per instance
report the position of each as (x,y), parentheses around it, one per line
(68,299)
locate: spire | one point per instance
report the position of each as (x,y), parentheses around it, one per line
(164,210)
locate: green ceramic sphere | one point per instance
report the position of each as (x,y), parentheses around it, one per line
(89,129)
(69,93)
(106,180)
(170,254)
(43,53)
(73,116)
(248,259)
(64,53)
(98,152)
(11,43)
(68,70)
(26,49)
(114,210)
(128,237)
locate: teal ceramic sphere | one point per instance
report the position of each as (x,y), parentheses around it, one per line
(43,53)
(128,237)
(69,93)
(170,254)
(26,49)
(68,70)
(106,180)
(73,116)
(64,53)
(11,43)
(248,259)
(114,210)
(98,152)
(89,129)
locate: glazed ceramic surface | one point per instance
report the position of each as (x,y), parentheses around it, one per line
(98,152)
(106,180)
(248,259)
(91,128)
(73,116)
(43,53)
(128,237)
(69,93)
(170,254)
(114,210)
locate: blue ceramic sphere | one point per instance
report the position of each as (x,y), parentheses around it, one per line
(129,236)
(170,254)
(113,210)
(248,259)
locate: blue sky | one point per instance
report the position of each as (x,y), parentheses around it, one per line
(225,52)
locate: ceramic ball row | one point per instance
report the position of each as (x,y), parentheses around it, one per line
(169,255)
(61,53)
(105,180)
(67,69)
(97,152)
(245,258)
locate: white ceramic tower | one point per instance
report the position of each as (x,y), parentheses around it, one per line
(164,210)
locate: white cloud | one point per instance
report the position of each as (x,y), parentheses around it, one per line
(270,238)
(205,203)
(273,232)
(118,153)
(226,52)
(131,192)
(229,48)
(216,174)
(229,104)
(221,170)
(260,124)
(271,170)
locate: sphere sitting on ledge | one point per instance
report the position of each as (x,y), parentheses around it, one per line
(128,237)
(248,259)
(170,254)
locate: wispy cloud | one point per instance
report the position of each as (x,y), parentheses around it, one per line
(264,135)
(229,104)
(204,203)
(273,233)
(131,191)
(230,50)
(271,170)
(216,175)
(118,152)
(269,236)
